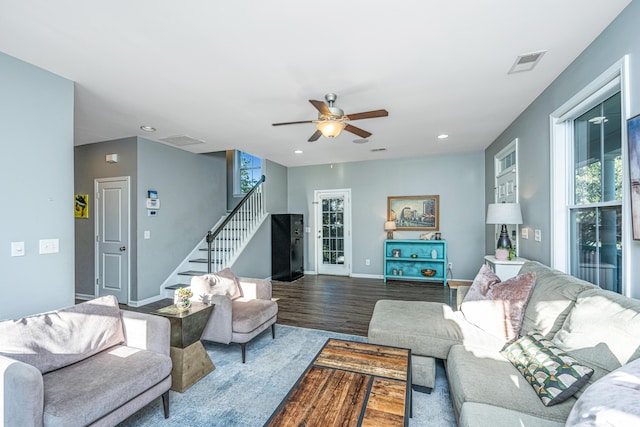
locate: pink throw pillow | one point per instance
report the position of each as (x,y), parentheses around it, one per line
(498,307)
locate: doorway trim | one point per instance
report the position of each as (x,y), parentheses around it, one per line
(98,205)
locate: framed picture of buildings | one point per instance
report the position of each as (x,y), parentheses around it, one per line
(414,212)
(633,132)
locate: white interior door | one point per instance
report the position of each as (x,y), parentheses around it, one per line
(112,238)
(333,231)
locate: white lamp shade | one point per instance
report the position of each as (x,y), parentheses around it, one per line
(389,226)
(504,213)
(331,128)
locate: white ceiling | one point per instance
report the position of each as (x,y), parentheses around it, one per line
(222,72)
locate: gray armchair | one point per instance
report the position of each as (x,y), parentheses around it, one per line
(243,307)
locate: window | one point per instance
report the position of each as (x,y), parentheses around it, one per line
(248,170)
(596,210)
(588,191)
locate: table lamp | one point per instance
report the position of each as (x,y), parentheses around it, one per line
(389,226)
(504,213)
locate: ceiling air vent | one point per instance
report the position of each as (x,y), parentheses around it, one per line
(526,62)
(375,150)
(181,140)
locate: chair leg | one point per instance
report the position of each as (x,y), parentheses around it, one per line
(165,403)
(243,346)
(273,331)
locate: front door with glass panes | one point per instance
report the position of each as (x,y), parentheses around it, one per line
(333,232)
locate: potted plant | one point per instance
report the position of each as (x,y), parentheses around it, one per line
(183,299)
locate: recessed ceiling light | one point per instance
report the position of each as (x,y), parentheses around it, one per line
(360,141)
(443,136)
(148,128)
(298,151)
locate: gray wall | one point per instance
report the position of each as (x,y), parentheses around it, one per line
(90,164)
(457,178)
(255,260)
(36,130)
(532,129)
(192,198)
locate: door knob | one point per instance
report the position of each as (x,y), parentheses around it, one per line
(123,248)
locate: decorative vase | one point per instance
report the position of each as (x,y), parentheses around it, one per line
(502,254)
(183,305)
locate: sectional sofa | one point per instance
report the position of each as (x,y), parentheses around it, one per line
(494,381)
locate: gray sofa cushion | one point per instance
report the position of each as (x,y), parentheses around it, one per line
(602,330)
(551,300)
(427,328)
(81,393)
(484,376)
(248,315)
(483,415)
(58,338)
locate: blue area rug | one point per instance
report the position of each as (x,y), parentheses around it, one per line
(246,395)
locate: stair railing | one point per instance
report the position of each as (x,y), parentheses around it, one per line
(225,240)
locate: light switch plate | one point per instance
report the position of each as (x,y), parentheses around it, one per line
(147,234)
(17,248)
(49,246)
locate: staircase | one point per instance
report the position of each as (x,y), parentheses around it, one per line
(223,244)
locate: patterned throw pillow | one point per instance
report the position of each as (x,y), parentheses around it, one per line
(498,307)
(554,375)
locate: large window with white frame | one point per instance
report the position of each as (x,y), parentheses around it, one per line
(588,186)
(595,210)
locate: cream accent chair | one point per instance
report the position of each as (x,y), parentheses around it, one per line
(243,307)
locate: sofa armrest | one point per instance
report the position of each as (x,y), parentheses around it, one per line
(21,394)
(255,288)
(460,294)
(146,331)
(219,327)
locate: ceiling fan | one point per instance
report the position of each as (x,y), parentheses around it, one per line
(332,120)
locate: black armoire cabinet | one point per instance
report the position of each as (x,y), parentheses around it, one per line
(287,249)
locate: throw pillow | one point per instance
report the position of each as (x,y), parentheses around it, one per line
(59,338)
(554,375)
(498,307)
(223,282)
(610,401)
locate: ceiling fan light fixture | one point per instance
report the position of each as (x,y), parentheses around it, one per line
(331,128)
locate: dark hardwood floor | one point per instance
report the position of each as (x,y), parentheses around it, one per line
(336,303)
(344,304)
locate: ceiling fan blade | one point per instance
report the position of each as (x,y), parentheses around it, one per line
(368,115)
(291,123)
(360,132)
(321,106)
(315,136)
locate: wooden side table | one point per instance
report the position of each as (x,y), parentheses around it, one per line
(454,284)
(190,360)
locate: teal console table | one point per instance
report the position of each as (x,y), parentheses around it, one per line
(405,259)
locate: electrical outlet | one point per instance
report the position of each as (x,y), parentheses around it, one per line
(450,266)
(537,234)
(367,261)
(525,233)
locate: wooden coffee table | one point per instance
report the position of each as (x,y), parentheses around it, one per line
(350,384)
(190,360)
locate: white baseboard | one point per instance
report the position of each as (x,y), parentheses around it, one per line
(310,273)
(85,297)
(367,276)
